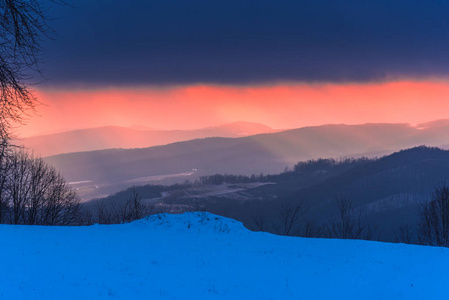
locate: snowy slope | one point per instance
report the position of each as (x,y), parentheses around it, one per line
(203,256)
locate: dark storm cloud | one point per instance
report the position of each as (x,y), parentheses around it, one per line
(135,42)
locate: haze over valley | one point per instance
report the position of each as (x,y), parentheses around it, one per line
(99,173)
(130,137)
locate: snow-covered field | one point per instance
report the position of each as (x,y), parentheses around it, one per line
(203,256)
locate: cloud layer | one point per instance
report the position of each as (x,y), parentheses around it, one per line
(279,107)
(141,42)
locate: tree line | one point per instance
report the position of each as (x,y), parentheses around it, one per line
(33,192)
(291,220)
(431,228)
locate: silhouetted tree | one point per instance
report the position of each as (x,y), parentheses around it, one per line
(33,192)
(23,23)
(289,216)
(349,224)
(405,234)
(312,229)
(260,223)
(135,208)
(117,212)
(19,187)
(433,226)
(108,213)
(5,165)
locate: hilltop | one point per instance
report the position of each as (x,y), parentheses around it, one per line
(204,256)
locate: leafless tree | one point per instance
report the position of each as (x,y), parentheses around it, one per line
(433,227)
(107,213)
(312,229)
(86,216)
(290,216)
(23,24)
(405,234)
(35,193)
(260,223)
(31,192)
(349,224)
(132,209)
(19,187)
(41,178)
(61,205)
(5,166)
(135,208)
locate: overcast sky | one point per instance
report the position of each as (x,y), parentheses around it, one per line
(141,42)
(184,64)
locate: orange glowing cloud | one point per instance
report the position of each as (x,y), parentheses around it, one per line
(281,106)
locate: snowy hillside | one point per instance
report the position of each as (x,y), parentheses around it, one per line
(203,256)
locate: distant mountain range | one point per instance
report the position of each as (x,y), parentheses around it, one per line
(106,171)
(134,137)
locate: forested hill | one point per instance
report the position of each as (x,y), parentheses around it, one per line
(386,191)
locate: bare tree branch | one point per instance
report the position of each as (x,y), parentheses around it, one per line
(290,216)
(23,24)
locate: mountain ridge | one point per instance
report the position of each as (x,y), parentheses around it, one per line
(266,153)
(107,137)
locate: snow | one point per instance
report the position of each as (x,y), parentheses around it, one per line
(203,256)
